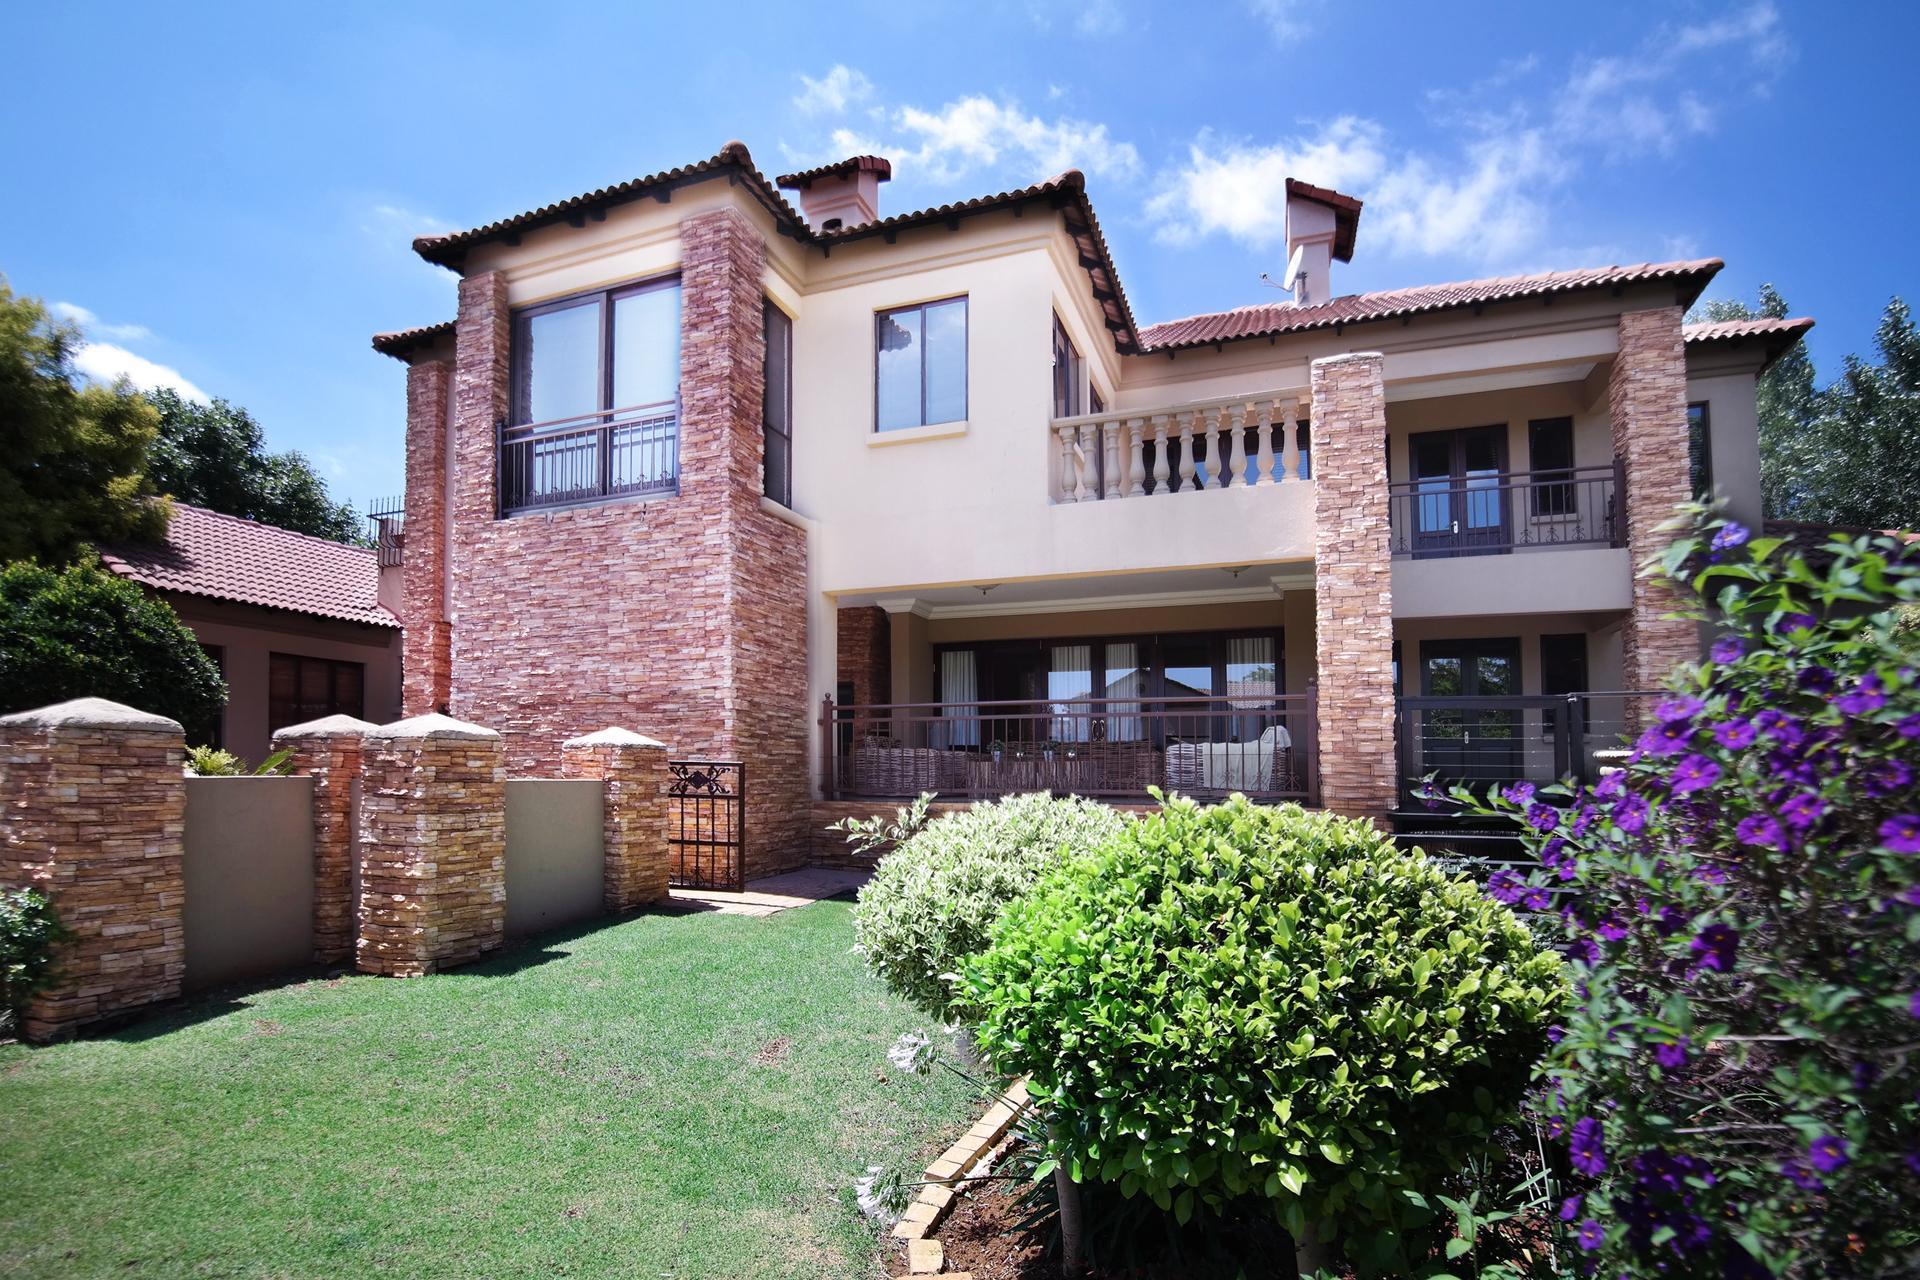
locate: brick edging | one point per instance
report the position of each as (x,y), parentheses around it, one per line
(936,1198)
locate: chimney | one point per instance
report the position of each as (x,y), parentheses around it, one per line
(1321,225)
(840,195)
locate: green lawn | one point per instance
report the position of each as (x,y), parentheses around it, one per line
(672,1096)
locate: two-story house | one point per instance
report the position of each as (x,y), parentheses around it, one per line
(881,503)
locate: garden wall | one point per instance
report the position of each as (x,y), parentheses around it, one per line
(556,861)
(249,878)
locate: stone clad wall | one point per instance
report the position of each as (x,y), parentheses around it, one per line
(1647,399)
(634,771)
(329,751)
(93,814)
(1353,585)
(433,849)
(425,645)
(866,653)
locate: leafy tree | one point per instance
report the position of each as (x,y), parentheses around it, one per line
(81,632)
(1849,454)
(214,455)
(73,471)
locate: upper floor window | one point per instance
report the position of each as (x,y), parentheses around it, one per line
(1700,450)
(1069,375)
(777,406)
(596,386)
(1550,452)
(920,365)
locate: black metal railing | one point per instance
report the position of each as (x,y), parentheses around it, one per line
(618,453)
(1507,511)
(386,519)
(1108,748)
(1537,738)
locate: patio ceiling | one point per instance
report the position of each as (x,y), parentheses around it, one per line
(1220,584)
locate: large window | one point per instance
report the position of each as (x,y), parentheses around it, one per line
(920,365)
(1069,375)
(1700,450)
(596,385)
(777,406)
(300,689)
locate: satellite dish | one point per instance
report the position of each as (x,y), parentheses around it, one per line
(1296,267)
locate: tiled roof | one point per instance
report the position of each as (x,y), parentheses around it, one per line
(400,342)
(1775,336)
(227,558)
(1270,319)
(838,169)
(1346,214)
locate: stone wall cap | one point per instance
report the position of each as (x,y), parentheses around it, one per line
(1348,356)
(433,725)
(611,737)
(92,713)
(337,726)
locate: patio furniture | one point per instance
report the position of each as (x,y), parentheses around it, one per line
(1262,766)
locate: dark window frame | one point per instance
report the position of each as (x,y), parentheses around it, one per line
(769,429)
(1554,493)
(605,296)
(880,318)
(279,719)
(1700,449)
(1075,381)
(1567,671)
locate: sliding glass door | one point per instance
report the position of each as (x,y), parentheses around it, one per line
(1460,498)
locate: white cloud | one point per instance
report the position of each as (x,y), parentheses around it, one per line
(87,320)
(833,93)
(1238,189)
(106,362)
(1281,17)
(978,133)
(391,220)
(1098,18)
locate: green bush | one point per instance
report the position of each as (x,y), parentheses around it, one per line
(29,931)
(81,632)
(932,901)
(1248,1008)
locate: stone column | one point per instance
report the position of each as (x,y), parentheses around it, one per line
(1647,400)
(433,846)
(427,643)
(93,801)
(634,771)
(475,585)
(329,752)
(1353,585)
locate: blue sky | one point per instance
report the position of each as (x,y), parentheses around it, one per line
(228,193)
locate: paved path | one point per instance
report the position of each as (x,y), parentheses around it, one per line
(770,894)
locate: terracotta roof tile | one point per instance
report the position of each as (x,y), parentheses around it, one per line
(1270,319)
(1346,214)
(402,341)
(838,169)
(1776,336)
(227,558)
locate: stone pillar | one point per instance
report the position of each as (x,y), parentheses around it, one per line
(1647,400)
(433,846)
(475,587)
(329,751)
(634,771)
(427,644)
(1353,585)
(93,802)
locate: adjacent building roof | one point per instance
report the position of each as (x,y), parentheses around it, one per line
(1346,214)
(838,169)
(401,343)
(1271,319)
(1774,336)
(225,557)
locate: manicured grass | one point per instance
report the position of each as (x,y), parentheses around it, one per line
(671,1096)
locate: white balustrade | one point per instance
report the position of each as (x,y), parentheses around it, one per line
(1103,457)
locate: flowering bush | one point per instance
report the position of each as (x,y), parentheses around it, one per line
(1248,1007)
(933,899)
(1738,1086)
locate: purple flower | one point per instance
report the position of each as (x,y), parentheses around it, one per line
(1716,946)
(1728,649)
(1735,734)
(1543,817)
(1901,833)
(1801,1176)
(1612,784)
(1671,1056)
(1913,1004)
(1536,900)
(1668,738)
(1587,952)
(1674,710)
(1827,1153)
(1761,830)
(1611,929)
(1669,921)
(1909,727)
(1803,810)
(1780,727)
(1694,773)
(1588,1147)
(1592,1235)
(1731,535)
(1863,698)
(1887,777)
(1791,622)
(1556,1033)
(1570,1208)
(1630,813)
(1520,793)
(1504,886)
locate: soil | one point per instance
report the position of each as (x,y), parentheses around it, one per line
(980,1236)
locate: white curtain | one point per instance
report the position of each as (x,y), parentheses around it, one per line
(1125,683)
(1069,685)
(959,692)
(1252,674)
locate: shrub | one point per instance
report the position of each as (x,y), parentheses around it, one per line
(1247,1007)
(81,632)
(212,762)
(1737,1085)
(933,899)
(29,932)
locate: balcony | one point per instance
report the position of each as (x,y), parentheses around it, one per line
(589,458)
(1236,442)
(1493,513)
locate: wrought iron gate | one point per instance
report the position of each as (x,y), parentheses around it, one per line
(707,824)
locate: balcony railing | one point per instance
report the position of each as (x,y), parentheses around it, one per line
(386,520)
(1506,511)
(1207,444)
(1538,738)
(1109,748)
(591,457)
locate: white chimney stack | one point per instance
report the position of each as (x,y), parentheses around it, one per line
(840,195)
(1321,226)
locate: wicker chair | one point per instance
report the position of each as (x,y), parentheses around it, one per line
(1186,770)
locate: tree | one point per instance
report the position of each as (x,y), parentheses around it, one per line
(81,632)
(214,455)
(73,471)
(1849,454)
